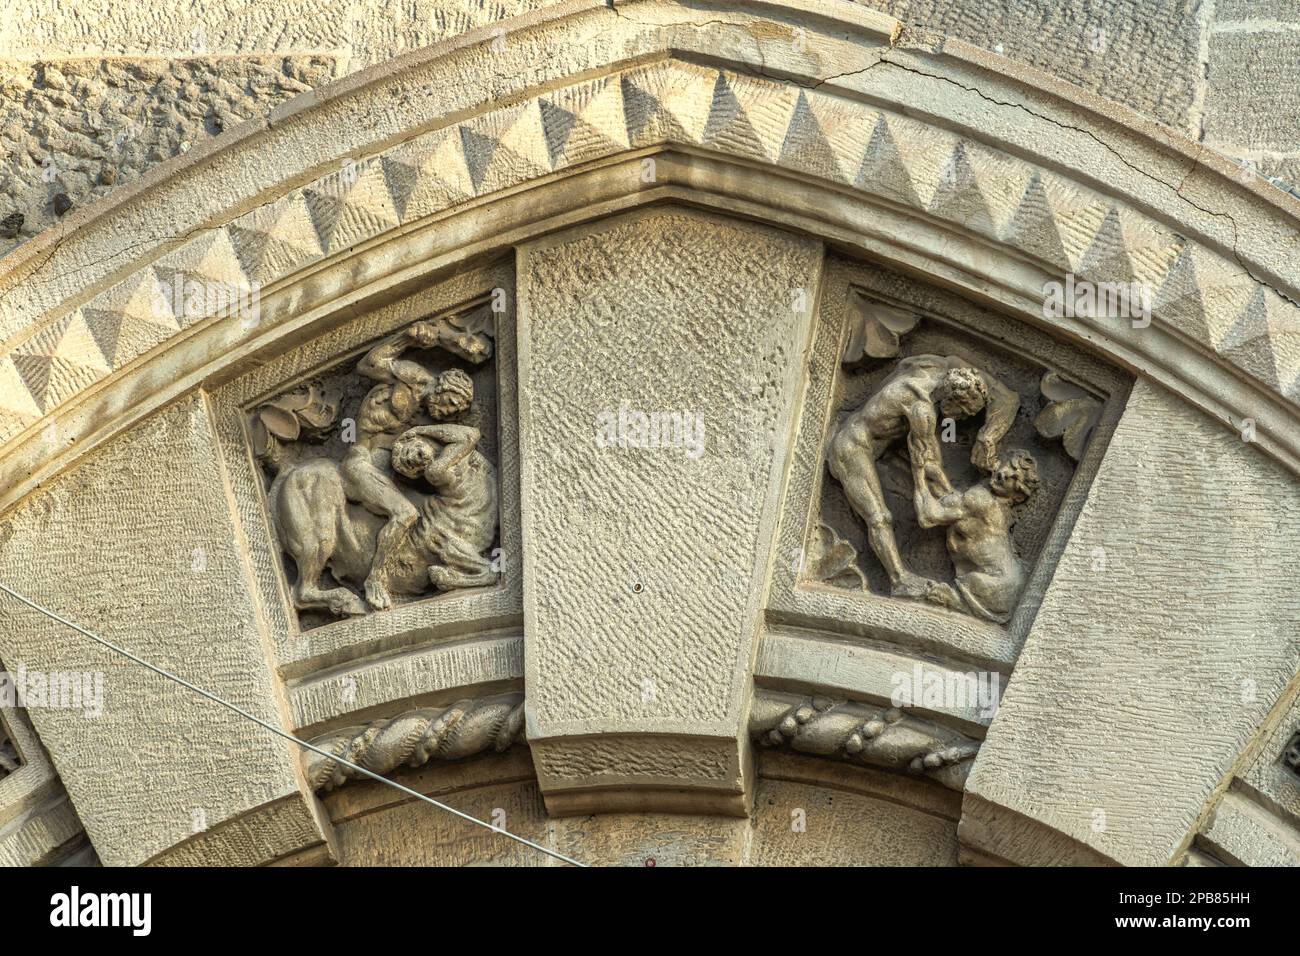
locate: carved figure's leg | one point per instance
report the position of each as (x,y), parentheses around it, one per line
(307,516)
(373,489)
(854,465)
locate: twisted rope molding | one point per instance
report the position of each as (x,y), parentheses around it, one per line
(412,739)
(816,726)
(874,736)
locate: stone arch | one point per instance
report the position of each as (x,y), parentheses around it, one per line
(819,119)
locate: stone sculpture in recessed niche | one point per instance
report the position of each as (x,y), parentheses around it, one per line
(398,498)
(903,408)
(950,453)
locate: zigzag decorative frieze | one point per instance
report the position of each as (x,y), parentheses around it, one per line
(1065,226)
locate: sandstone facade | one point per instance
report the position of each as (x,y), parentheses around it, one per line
(746,435)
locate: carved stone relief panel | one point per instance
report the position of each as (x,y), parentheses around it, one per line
(374,471)
(943,454)
(941,483)
(380,470)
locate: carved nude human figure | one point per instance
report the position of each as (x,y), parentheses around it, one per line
(462,521)
(349,516)
(904,406)
(321,529)
(989,575)
(385,412)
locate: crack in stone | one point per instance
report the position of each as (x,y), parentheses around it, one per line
(1193,165)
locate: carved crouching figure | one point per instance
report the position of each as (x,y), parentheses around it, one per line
(989,575)
(322,530)
(462,521)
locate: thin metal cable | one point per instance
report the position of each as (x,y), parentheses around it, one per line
(287,736)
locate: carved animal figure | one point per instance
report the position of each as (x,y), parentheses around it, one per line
(321,529)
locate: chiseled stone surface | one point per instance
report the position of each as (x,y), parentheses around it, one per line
(362,31)
(1218,73)
(155,566)
(1253,102)
(643,582)
(1164,645)
(81,128)
(1167,635)
(1142,53)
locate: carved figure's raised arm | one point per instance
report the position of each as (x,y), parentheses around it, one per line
(998,419)
(384,363)
(933,510)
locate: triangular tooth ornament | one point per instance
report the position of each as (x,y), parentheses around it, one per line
(1079,215)
(882,170)
(1226,292)
(1001,180)
(843,129)
(441,176)
(729,127)
(1033,226)
(210,257)
(926,153)
(276,240)
(1106,260)
(806,146)
(768,109)
(668,102)
(1179,302)
(520,151)
(351,205)
(558,123)
(1152,249)
(60,360)
(1247,343)
(958,197)
(206,276)
(18,406)
(584,122)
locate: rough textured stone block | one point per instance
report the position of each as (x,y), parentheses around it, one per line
(155,566)
(1142,53)
(1252,102)
(1167,635)
(81,128)
(647,554)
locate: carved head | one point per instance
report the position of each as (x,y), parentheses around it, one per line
(1015,475)
(451,393)
(411,454)
(962,393)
